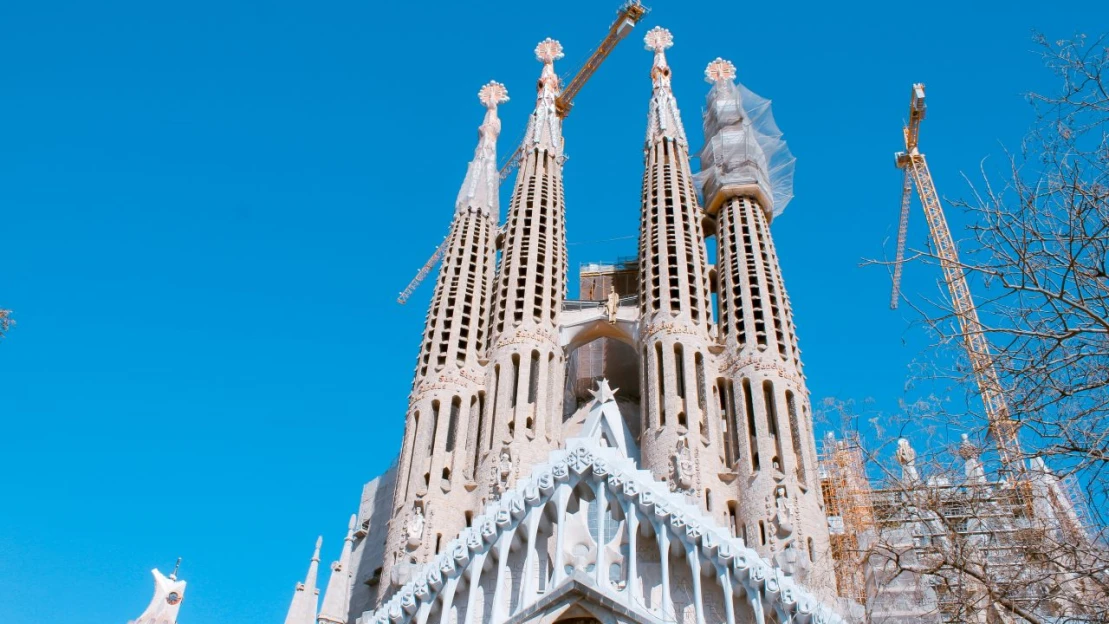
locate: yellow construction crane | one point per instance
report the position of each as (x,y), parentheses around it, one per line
(626,18)
(1002,427)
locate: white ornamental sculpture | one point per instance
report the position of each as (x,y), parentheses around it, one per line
(906,456)
(416,527)
(168,595)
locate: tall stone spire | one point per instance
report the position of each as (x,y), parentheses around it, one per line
(448,395)
(527,368)
(336,600)
(679,418)
(780,508)
(306,596)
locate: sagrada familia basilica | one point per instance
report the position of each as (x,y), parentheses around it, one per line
(635,457)
(644,454)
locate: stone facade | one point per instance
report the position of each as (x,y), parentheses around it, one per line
(689,494)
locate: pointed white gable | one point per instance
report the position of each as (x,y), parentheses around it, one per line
(605,425)
(168,595)
(551,535)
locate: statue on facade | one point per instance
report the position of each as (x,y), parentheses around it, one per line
(502,471)
(906,456)
(792,561)
(683,465)
(975,471)
(612,304)
(781,512)
(415,528)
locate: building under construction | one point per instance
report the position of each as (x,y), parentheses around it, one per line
(956,546)
(647,453)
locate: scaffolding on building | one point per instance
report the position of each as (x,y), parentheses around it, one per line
(848,501)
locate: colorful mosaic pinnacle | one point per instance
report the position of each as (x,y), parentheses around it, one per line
(719,70)
(548,51)
(492,94)
(659,39)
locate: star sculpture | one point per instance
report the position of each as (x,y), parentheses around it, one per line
(493,94)
(604,393)
(658,39)
(719,70)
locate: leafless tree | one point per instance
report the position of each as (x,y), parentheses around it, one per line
(1040,244)
(6,321)
(934,537)
(1005,546)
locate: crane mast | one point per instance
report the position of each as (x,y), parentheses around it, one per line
(424,270)
(626,18)
(1002,427)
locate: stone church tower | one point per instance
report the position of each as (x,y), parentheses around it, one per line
(531,489)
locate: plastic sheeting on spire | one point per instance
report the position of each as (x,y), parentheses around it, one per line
(480,189)
(744,147)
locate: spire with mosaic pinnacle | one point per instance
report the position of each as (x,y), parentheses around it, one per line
(679,418)
(780,507)
(526,370)
(440,434)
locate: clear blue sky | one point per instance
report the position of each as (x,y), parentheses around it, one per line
(207,209)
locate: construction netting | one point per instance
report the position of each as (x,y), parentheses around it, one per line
(744,146)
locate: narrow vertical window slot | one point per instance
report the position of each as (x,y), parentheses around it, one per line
(772,421)
(452,424)
(752,435)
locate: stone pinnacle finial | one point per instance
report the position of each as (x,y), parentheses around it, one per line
(719,70)
(492,94)
(176,568)
(548,51)
(658,39)
(319,543)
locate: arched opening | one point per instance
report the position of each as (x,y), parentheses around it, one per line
(608,358)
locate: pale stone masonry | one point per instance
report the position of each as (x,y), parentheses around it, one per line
(526,370)
(530,489)
(680,441)
(770,442)
(448,392)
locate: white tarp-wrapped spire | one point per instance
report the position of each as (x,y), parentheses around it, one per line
(168,595)
(479,190)
(663,118)
(545,127)
(744,153)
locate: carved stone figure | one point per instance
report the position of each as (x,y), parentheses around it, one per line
(781,513)
(906,456)
(975,471)
(612,304)
(502,471)
(683,465)
(792,561)
(416,527)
